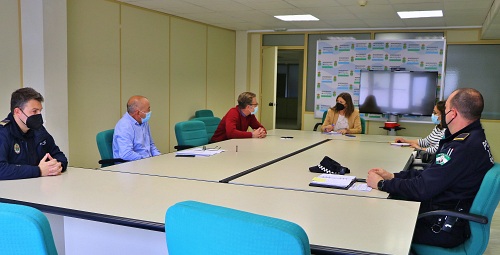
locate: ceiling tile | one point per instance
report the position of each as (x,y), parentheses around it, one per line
(334,14)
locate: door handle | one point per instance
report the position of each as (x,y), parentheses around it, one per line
(271,104)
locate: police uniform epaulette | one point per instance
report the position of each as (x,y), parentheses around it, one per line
(461,137)
(4,122)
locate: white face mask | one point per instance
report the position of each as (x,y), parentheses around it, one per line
(255,109)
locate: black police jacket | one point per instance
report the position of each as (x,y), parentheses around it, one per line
(16,162)
(453,179)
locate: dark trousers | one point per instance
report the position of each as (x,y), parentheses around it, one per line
(424,235)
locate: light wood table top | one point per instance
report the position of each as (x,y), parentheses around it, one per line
(359,157)
(250,153)
(315,134)
(347,222)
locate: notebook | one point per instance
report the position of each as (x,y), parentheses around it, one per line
(333,181)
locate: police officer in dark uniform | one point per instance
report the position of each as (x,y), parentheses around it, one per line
(27,150)
(452,181)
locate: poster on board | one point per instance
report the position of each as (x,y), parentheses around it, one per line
(339,64)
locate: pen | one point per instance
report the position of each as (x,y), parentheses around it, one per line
(185,156)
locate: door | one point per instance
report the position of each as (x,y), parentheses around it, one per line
(268,87)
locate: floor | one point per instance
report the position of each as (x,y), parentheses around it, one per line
(287,124)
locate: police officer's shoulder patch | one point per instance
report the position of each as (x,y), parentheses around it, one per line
(461,137)
(4,122)
(442,158)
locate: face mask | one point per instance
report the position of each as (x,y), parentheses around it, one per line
(34,121)
(435,119)
(447,124)
(339,107)
(146,119)
(255,110)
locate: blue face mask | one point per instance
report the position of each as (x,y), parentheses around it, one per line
(435,119)
(255,110)
(148,116)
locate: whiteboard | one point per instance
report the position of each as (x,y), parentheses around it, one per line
(475,66)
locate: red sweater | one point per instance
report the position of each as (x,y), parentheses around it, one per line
(235,125)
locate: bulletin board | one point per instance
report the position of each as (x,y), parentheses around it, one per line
(339,64)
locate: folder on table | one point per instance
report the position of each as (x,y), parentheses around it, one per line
(333,181)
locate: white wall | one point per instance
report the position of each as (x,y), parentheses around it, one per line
(44,61)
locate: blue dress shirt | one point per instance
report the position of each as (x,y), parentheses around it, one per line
(133,141)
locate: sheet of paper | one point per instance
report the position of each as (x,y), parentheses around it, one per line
(198,152)
(401,144)
(360,186)
(333,133)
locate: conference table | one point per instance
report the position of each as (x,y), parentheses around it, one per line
(293,173)
(239,155)
(121,209)
(342,222)
(242,156)
(301,134)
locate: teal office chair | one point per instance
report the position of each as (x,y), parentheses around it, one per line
(190,134)
(322,121)
(104,141)
(479,217)
(211,124)
(24,230)
(197,228)
(363,125)
(203,113)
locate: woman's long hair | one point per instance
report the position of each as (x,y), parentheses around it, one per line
(350,106)
(442,112)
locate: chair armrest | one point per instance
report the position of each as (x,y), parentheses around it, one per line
(466,216)
(183,147)
(111,161)
(317,125)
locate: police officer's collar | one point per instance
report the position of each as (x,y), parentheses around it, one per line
(4,122)
(474,125)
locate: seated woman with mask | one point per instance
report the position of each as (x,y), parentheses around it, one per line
(431,142)
(342,118)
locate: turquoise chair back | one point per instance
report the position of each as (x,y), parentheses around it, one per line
(322,121)
(203,113)
(484,204)
(191,133)
(104,141)
(197,228)
(363,125)
(211,124)
(24,230)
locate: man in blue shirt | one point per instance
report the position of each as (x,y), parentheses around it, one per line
(132,138)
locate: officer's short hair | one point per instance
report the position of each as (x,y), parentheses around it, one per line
(245,99)
(469,103)
(22,96)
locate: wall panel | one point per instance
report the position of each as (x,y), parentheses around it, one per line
(220,70)
(188,71)
(10,53)
(144,66)
(93,76)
